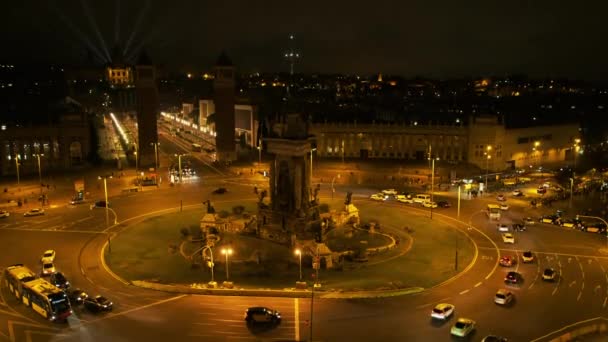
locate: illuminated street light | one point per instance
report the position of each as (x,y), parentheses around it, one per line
(17,163)
(298,252)
(136,161)
(432,183)
(311,151)
(227,252)
(179,162)
(38,155)
(155,144)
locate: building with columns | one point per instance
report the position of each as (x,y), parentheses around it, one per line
(459,142)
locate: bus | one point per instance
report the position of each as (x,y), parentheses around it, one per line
(196,148)
(43,297)
(493,211)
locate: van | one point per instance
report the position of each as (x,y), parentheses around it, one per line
(421,198)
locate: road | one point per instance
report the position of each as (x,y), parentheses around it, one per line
(78,233)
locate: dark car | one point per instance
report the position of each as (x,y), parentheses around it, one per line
(541,190)
(59,280)
(519,227)
(494,338)
(513,278)
(262,314)
(444,204)
(77,296)
(98,303)
(549,274)
(553,219)
(220,191)
(102,204)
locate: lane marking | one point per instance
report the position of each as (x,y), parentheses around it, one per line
(424,305)
(549,253)
(297,319)
(543,338)
(463,292)
(476,285)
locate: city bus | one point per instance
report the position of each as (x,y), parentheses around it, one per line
(43,297)
(196,148)
(493,211)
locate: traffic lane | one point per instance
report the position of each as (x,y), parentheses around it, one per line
(189,318)
(594,292)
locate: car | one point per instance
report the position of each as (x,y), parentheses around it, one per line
(527,257)
(503,297)
(517,193)
(429,204)
(501,197)
(101,204)
(507,261)
(48,256)
(390,192)
(508,238)
(219,191)
(502,227)
(549,274)
(4,213)
(378,197)
(261,314)
(444,204)
(97,304)
(596,227)
(463,327)
(513,278)
(552,219)
(442,311)
(59,280)
(34,212)
(77,296)
(404,199)
(48,268)
(76,200)
(504,206)
(519,227)
(572,223)
(541,190)
(529,221)
(494,338)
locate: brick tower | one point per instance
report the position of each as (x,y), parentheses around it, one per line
(223,97)
(147,110)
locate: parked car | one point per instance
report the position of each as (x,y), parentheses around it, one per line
(444,204)
(541,190)
(463,327)
(77,296)
(507,261)
(34,212)
(262,314)
(98,303)
(405,199)
(552,219)
(442,311)
(517,193)
(429,204)
(529,221)
(102,204)
(513,278)
(48,256)
(4,213)
(503,297)
(378,197)
(390,192)
(48,268)
(494,338)
(219,191)
(527,257)
(59,280)
(549,274)
(519,227)
(502,227)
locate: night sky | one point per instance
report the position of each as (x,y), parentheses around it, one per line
(428,38)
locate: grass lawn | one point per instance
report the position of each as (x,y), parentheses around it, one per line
(142,252)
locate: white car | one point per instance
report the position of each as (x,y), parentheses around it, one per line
(504,206)
(4,213)
(463,327)
(508,238)
(388,192)
(404,199)
(379,197)
(48,268)
(527,257)
(34,212)
(517,193)
(442,311)
(503,297)
(528,221)
(48,257)
(429,204)
(502,227)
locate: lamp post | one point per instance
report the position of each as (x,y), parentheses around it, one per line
(136,161)
(458,213)
(571,186)
(332,185)
(298,252)
(536,148)
(576,149)
(179,162)
(488,157)
(155,144)
(432,184)
(311,151)
(38,155)
(259,154)
(227,252)
(105,190)
(17,157)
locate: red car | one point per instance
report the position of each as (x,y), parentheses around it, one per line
(513,278)
(507,261)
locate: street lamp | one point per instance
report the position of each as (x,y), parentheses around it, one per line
(38,155)
(311,151)
(227,252)
(17,163)
(179,162)
(105,190)
(571,186)
(432,183)
(488,157)
(332,185)
(155,144)
(298,252)
(536,148)
(576,149)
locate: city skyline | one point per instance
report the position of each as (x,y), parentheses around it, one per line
(442,40)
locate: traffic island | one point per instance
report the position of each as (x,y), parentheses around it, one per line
(156,252)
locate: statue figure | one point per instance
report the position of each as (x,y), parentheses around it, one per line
(349,198)
(210,208)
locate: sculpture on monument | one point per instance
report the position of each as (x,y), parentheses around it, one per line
(349,198)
